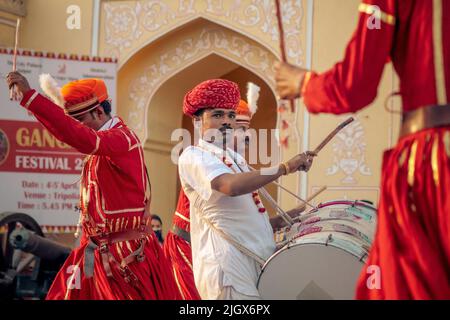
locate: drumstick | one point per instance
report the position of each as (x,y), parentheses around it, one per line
(315,194)
(266,194)
(293,194)
(12,91)
(282,41)
(287,190)
(289,221)
(311,197)
(332,134)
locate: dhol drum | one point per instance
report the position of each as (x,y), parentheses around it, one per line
(322,255)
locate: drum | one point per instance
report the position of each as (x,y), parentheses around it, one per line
(322,255)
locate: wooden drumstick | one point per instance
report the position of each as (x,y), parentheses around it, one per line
(269,198)
(306,202)
(315,194)
(332,134)
(311,197)
(287,190)
(282,41)
(12,91)
(289,221)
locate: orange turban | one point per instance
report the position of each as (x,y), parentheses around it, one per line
(243,113)
(83,95)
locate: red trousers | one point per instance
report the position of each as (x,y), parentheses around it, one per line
(410,256)
(155,279)
(179,252)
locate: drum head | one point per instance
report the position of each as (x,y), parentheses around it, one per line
(310,272)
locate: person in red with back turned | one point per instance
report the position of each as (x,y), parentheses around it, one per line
(119,256)
(411,251)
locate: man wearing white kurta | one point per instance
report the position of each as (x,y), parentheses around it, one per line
(218,264)
(221,195)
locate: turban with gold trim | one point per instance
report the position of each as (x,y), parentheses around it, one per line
(243,114)
(84,95)
(245,111)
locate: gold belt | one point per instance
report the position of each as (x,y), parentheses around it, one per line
(425,118)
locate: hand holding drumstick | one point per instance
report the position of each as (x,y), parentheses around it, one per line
(303,161)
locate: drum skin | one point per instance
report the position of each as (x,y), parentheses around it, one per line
(323,254)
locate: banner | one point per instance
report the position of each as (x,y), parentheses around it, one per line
(39,175)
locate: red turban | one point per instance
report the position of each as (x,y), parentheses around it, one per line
(216,93)
(83,95)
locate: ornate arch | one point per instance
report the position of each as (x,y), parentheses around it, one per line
(209,40)
(165,59)
(129,27)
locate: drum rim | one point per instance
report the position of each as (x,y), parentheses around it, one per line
(344,201)
(285,247)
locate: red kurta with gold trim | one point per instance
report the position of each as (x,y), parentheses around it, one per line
(113,196)
(178,250)
(412,243)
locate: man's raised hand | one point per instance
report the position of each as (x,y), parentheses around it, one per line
(19,81)
(288,80)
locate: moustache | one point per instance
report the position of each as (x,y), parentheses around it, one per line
(225,128)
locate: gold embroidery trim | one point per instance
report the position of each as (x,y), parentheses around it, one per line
(35,94)
(435,160)
(374,10)
(184,257)
(178,283)
(412,164)
(182,217)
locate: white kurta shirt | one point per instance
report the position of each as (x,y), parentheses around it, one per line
(216,262)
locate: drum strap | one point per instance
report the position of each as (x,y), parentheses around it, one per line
(233,241)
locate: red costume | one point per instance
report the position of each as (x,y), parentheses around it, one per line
(177,248)
(119,256)
(412,244)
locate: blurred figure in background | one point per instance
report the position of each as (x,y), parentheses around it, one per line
(157,228)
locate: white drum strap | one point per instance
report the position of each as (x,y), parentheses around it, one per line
(238,246)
